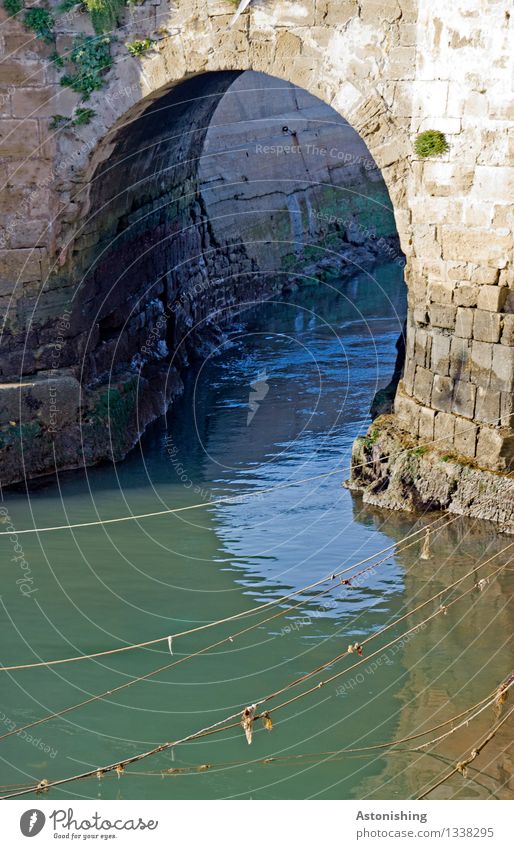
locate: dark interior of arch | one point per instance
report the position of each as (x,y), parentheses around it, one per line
(168,235)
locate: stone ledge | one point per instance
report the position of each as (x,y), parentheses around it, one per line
(54,401)
(392,470)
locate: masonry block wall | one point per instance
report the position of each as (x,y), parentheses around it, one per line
(459,376)
(391,68)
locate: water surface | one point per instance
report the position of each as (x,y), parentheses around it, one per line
(281,401)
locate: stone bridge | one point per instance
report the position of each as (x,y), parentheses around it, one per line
(103,225)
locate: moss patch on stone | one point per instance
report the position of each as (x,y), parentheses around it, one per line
(430,143)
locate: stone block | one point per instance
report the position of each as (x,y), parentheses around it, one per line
(494,183)
(476,214)
(481,362)
(406,411)
(447,179)
(425,241)
(465,438)
(491,298)
(502,373)
(422,345)
(484,275)
(463,401)
(29,233)
(456,271)
(420,314)
(487,408)
(444,431)
(426,424)
(19,266)
(408,376)
(464,322)
(442,393)
(18,138)
(465,295)
(476,245)
(486,326)
(440,354)
(52,401)
(21,73)
(507,409)
(442,316)
(441,292)
(43,102)
(460,358)
(495,449)
(423,385)
(507,337)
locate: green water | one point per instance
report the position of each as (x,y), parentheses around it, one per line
(321,354)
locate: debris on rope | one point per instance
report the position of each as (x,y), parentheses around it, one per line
(43,785)
(425,551)
(356,647)
(502,694)
(247,718)
(267,721)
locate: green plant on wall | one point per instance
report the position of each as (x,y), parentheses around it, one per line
(57,60)
(13,6)
(430,143)
(137,48)
(58,121)
(41,21)
(91,56)
(80,116)
(105,14)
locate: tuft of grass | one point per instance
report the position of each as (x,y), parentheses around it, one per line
(58,121)
(419,451)
(430,143)
(41,21)
(371,438)
(105,14)
(137,48)
(82,116)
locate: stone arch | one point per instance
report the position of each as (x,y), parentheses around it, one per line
(143,242)
(392,68)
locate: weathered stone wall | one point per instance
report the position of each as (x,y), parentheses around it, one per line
(391,68)
(459,377)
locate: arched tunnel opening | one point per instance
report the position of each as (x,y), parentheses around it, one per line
(218,194)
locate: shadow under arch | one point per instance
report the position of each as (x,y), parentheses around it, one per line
(154,278)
